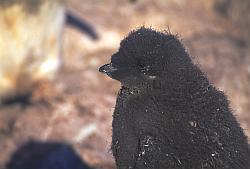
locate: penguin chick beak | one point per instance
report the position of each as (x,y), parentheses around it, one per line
(107,69)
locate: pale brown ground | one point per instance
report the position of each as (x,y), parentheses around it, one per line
(77,107)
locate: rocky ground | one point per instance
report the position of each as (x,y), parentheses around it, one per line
(76,108)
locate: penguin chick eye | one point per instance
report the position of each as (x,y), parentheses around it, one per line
(145,69)
(149,72)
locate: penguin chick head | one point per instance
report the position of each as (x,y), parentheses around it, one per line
(145,54)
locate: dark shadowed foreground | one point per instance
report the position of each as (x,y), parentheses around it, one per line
(45,155)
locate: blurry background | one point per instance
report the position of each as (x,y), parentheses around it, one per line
(73,104)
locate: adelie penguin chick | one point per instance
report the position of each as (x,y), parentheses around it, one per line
(168,115)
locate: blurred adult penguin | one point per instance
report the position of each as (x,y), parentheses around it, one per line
(31,41)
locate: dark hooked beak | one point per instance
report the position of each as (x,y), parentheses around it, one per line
(107,69)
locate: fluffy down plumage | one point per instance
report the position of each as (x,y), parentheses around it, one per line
(168,115)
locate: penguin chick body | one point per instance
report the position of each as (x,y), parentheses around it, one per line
(167,114)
